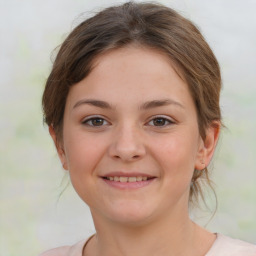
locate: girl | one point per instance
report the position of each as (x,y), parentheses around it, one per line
(132,105)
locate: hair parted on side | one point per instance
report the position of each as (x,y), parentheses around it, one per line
(144,24)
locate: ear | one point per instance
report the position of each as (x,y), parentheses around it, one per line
(207,146)
(59,148)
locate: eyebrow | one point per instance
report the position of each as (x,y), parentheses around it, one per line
(146,105)
(160,103)
(92,102)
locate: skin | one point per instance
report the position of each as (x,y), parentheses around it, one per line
(128,136)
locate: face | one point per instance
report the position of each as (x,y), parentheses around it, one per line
(131,139)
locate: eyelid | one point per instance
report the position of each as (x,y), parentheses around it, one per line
(167,118)
(89,118)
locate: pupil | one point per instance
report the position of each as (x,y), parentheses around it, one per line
(97,122)
(159,121)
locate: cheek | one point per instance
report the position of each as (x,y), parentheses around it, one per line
(177,157)
(83,153)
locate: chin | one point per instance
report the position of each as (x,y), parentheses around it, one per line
(130,214)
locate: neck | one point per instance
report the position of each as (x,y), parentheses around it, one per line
(168,236)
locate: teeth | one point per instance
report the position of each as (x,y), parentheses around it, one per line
(123,179)
(132,179)
(127,179)
(139,178)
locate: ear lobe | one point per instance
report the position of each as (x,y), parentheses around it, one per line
(59,148)
(208,145)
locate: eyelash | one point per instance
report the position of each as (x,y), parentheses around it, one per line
(91,119)
(169,121)
(88,121)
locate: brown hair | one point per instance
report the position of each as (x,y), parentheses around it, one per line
(148,24)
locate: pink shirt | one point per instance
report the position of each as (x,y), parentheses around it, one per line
(223,246)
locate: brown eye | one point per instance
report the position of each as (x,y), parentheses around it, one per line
(96,121)
(160,121)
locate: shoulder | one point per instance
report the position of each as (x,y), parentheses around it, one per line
(75,250)
(228,246)
(60,251)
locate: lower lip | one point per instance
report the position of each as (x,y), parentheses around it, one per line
(128,185)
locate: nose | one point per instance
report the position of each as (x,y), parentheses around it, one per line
(127,144)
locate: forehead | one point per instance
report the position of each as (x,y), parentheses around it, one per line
(129,74)
(142,56)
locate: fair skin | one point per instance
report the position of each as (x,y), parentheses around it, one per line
(131,120)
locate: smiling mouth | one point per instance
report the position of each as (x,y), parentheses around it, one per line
(124,179)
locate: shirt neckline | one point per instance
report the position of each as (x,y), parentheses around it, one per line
(215,243)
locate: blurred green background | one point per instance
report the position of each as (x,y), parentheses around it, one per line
(33,215)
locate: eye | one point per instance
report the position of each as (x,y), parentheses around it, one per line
(160,121)
(95,121)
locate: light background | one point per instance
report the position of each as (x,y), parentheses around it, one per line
(32,215)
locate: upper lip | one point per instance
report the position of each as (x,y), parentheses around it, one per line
(126,174)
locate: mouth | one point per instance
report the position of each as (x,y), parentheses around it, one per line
(124,179)
(130,181)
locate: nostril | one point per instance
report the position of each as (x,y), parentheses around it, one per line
(126,151)
(133,157)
